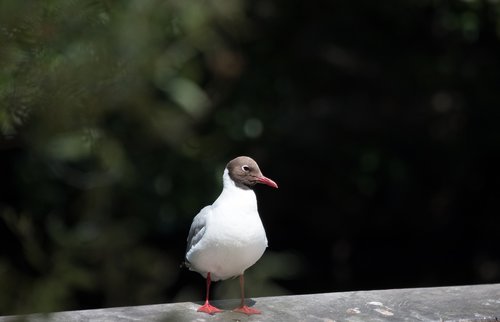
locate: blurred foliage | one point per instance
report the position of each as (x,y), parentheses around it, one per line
(100,106)
(379,120)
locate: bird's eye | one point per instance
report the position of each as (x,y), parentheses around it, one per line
(245,168)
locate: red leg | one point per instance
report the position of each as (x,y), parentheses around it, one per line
(243,308)
(207,307)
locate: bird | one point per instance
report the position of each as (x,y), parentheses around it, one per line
(228,236)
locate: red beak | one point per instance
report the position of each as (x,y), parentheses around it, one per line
(268,182)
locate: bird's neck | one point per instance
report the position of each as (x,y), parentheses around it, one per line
(234,195)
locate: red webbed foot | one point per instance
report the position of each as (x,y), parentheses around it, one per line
(247,310)
(208,308)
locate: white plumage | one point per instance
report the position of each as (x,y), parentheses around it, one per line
(228,236)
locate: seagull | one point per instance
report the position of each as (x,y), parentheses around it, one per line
(228,237)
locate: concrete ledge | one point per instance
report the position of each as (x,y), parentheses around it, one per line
(462,303)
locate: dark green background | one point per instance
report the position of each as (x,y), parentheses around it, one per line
(378,119)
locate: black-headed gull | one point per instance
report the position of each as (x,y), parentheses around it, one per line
(228,237)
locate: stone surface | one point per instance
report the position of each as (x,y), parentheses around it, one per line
(463,303)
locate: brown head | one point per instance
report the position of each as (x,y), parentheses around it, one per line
(245,172)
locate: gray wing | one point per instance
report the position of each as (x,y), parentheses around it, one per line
(197,229)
